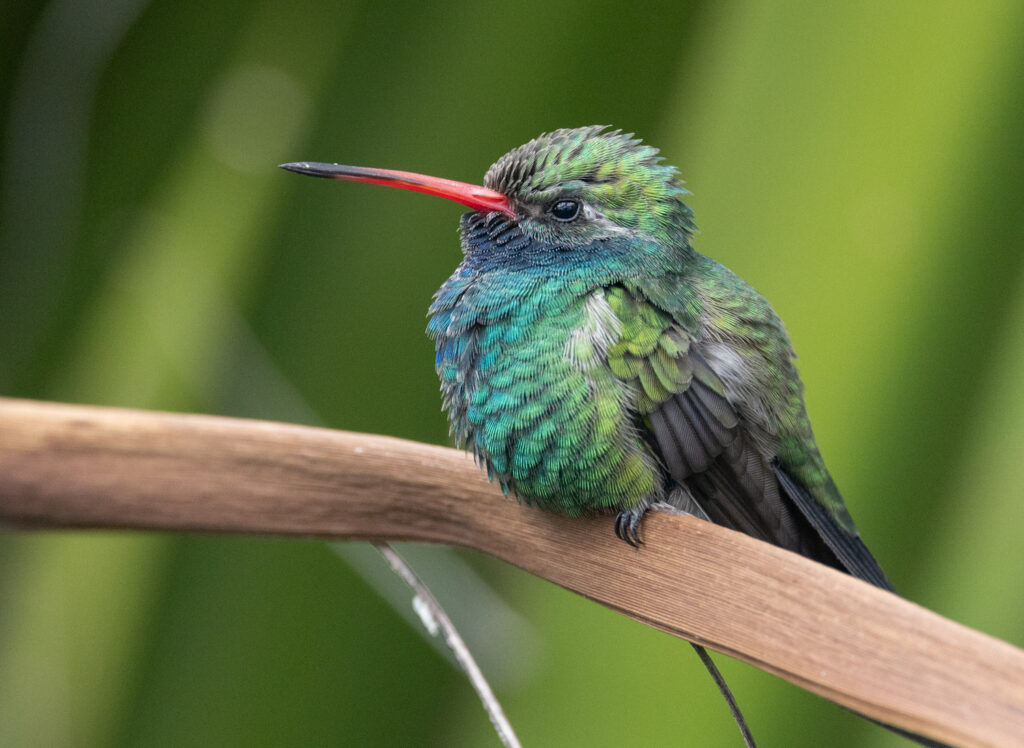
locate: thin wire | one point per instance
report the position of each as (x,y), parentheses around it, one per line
(436,620)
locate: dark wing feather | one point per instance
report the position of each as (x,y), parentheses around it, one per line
(707,449)
(699,437)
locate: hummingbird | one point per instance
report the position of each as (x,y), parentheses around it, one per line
(593,361)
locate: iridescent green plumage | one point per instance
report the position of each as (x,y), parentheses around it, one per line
(601,363)
(592,360)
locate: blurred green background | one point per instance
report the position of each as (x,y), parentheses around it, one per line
(860,163)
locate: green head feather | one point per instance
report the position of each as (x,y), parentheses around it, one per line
(622,185)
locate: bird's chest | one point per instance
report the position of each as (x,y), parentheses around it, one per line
(508,378)
(528,390)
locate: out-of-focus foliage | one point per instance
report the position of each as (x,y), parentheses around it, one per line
(860,163)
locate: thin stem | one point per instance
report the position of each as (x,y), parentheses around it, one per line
(435,620)
(723,688)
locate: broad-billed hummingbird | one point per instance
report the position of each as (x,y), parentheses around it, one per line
(592,360)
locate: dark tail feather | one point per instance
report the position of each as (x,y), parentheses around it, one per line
(853,556)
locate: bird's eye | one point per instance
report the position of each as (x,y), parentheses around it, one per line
(564,210)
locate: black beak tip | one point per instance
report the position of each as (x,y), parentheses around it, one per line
(309,168)
(299,167)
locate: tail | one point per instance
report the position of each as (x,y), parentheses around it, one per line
(852,555)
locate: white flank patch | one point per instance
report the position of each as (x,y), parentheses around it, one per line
(588,344)
(727,364)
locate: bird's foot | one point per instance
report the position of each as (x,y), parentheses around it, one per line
(627,525)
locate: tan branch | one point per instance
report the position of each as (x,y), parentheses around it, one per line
(73,466)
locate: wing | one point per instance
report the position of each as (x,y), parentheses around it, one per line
(706,448)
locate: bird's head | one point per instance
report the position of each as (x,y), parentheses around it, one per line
(585,185)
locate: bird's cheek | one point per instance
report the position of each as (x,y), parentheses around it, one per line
(533,228)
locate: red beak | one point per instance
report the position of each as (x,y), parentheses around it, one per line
(477,198)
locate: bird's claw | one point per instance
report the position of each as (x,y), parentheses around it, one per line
(627,526)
